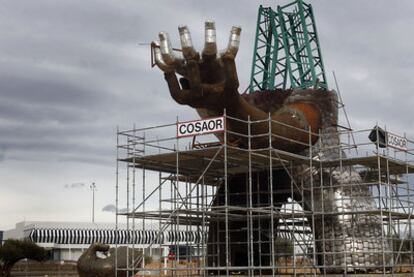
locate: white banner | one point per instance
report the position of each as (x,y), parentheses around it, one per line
(200,127)
(397,142)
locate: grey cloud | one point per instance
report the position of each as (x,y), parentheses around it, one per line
(2,152)
(74,186)
(47,92)
(109,208)
(78,64)
(112,209)
(71,71)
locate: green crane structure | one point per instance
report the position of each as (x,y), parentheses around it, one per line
(287,53)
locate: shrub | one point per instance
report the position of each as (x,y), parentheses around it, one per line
(13,251)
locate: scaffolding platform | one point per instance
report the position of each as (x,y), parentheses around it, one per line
(384,163)
(178,185)
(192,161)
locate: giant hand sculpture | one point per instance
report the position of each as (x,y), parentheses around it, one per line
(209,83)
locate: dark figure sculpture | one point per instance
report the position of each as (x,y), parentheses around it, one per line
(210,84)
(90,265)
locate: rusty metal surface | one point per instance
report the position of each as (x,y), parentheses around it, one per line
(90,265)
(209,83)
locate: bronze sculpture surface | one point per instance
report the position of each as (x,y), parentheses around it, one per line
(209,83)
(90,264)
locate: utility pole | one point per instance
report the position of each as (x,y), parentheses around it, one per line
(93,188)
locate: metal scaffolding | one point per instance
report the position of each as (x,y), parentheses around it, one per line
(185,189)
(287,52)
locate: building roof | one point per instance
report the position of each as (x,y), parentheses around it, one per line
(87,233)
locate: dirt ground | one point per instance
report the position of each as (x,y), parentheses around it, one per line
(46,275)
(181,268)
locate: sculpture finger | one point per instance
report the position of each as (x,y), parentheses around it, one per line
(210,45)
(189,52)
(234,42)
(158,58)
(230,72)
(100,247)
(166,50)
(181,96)
(193,75)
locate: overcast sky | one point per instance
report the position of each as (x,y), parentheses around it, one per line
(72,71)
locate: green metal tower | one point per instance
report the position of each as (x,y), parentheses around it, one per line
(286,51)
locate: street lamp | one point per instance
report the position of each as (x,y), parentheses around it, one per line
(93,188)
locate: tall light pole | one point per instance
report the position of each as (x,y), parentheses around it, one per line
(93,188)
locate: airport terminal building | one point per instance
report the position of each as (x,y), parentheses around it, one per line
(67,240)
